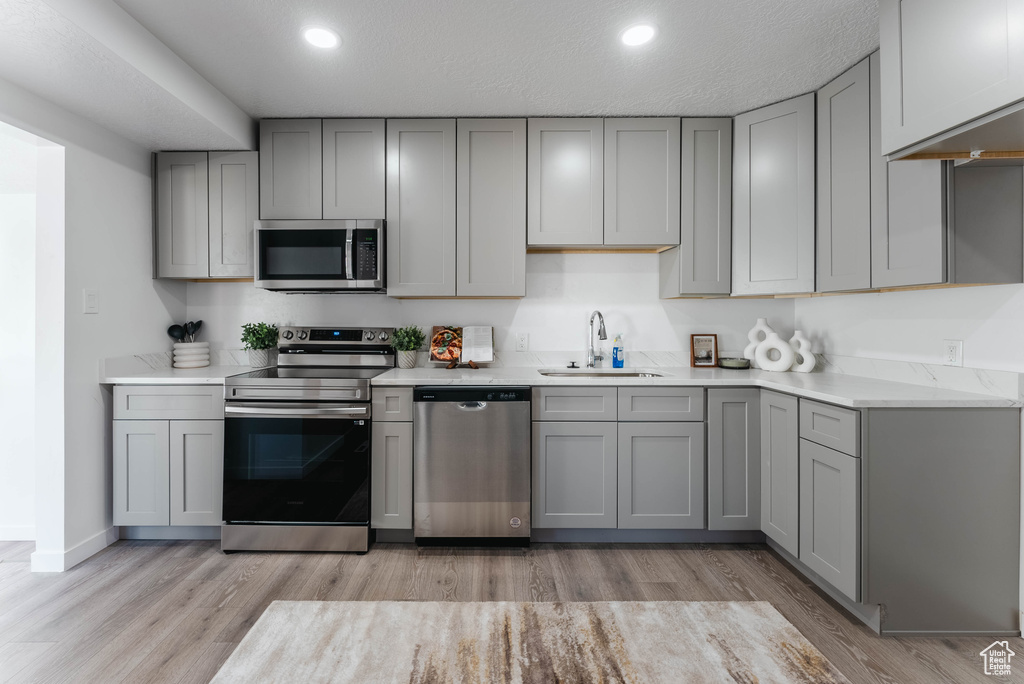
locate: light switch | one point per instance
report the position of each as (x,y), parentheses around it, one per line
(90,301)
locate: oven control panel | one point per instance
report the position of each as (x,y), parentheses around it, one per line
(334,336)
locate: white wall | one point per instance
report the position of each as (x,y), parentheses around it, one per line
(108,246)
(910,326)
(18,152)
(561,291)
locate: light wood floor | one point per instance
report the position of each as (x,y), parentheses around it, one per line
(174,611)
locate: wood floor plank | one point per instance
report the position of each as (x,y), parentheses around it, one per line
(174,611)
(16,551)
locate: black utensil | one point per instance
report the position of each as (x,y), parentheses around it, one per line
(190,328)
(199,324)
(176,332)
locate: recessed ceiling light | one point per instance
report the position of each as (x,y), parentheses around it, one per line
(321,37)
(638,34)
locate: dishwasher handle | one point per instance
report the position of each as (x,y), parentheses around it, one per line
(472,405)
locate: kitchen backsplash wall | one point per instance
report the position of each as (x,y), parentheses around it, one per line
(561,291)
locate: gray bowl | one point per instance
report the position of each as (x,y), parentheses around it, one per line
(730,362)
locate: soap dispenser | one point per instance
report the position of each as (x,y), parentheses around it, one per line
(618,353)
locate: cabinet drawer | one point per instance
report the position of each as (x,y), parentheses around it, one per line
(661,403)
(168,402)
(831,426)
(574,403)
(391,403)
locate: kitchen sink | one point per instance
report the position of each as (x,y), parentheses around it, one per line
(596,373)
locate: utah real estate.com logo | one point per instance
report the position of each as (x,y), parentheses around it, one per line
(997,659)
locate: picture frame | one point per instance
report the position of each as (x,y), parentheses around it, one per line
(703,351)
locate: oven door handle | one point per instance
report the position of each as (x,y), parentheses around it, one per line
(266,412)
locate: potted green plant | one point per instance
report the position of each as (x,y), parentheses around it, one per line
(406,341)
(259,339)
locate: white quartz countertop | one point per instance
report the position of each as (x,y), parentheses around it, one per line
(834,388)
(211,375)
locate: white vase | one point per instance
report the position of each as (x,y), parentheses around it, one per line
(191,354)
(764,354)
(407,359)
(259,358)
(756,336)
(805,360)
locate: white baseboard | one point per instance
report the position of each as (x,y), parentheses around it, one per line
(17,532)
(57,561)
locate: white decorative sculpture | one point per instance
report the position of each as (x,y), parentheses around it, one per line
(805,360)
(757,335)
(773,343)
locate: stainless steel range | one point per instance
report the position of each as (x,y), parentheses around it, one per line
(297,443)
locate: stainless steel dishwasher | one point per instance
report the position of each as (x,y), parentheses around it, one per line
(471,459)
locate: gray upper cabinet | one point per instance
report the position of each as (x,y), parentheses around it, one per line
(780,462)
(946,62)
(908,243)
(291,169)
(987,221)
(734,459)
(844,182)
(702,264)
(234,207)
(661,476)
(574,475)
(353,168)
(830,516)
(773,199)
(565,176)
(421,223)
(491,208)
(641,181)
(182,208)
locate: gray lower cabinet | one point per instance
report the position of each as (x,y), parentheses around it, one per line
(291,169)
(830,516)
(575,403)
(773,199)
(641,181)
(565,173)
(702,264)
(421,207)
(206,204)
(168,472)
(780,461)
(574,475)
(391,475)
(734,459)
(661,476)
(491,208)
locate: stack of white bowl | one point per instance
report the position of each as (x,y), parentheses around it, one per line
(191,354)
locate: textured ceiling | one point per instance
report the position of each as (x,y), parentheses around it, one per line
(440,58)
(503,57)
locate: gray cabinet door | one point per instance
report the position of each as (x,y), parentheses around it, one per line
(196,472)
(574,475)
(734,459)
(773,199)
(491,208)
(830,516)
(661,476)
(780,462)
(291,169)
(641,181)
(565,176)
(649,404)
(353,168)
(844,182)
(705,238)
(234,207)
(936,74)
(141,480)
(574,403)
(391,476)
(421,207)
(182,215)
(986,224)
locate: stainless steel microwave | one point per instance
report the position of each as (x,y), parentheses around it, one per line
(320,256)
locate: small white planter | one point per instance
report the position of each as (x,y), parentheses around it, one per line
(407,359)
(259,358)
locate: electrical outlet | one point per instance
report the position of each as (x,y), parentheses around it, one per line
(522,342)
(953,352)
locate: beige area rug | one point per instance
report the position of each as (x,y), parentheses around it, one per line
(414,642)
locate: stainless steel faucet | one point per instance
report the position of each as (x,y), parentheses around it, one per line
(592,359)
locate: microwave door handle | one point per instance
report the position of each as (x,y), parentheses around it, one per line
(349,274)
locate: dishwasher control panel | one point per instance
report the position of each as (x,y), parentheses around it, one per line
(456,393)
